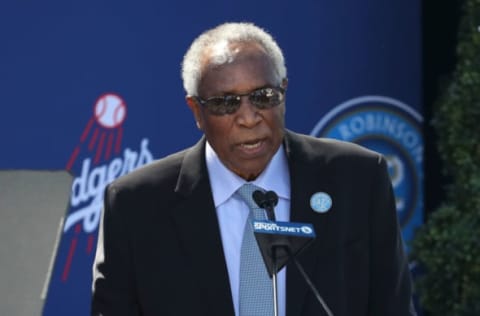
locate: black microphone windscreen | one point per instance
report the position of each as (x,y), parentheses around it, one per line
(272,197)
(259,198)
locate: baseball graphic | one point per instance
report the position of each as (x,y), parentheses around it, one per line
(110,110)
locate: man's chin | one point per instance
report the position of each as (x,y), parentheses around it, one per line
(247,174)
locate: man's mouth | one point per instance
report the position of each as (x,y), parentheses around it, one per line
(251,145)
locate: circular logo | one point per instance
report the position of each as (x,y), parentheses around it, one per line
(321,202)
(306,230)
(390,127)
(110,110)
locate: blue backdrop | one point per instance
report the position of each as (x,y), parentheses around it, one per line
(95,88)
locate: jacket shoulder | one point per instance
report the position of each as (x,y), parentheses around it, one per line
(161,172)
(329,149)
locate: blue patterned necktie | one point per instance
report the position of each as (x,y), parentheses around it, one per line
(256,291)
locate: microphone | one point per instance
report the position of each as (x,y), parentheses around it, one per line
(267,201)
(280,242)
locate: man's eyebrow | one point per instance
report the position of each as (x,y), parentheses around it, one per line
(267,85)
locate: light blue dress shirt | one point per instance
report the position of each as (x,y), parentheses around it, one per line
(232,212)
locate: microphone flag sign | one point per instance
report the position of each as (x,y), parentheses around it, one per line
(279,240)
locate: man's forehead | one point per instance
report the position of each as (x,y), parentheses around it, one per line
(225,52)
(244,67)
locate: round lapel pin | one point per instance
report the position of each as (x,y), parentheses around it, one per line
(320,202)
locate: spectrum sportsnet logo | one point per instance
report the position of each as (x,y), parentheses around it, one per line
(283,228)
(390,127)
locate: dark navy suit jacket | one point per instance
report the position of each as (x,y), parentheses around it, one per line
(160,250)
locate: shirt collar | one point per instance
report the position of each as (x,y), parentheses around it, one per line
(224,183)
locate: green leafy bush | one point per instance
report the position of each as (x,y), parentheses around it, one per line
(448,245)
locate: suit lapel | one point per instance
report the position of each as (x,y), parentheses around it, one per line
(197,223)
(305,179)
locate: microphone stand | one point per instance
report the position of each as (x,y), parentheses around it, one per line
(309,282)
(302,272)
(268,201)
(269,207)
(274,282)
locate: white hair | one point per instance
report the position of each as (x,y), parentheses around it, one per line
(218,40)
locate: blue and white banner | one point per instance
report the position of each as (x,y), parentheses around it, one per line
(394,129)
(95,89)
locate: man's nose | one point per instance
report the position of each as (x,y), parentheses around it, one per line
(247,114)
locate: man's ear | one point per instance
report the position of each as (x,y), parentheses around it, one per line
(284,83)
(195,108)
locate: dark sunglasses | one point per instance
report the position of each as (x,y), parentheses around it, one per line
(263,98)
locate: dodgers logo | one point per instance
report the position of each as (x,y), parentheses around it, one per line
(392,128)
(98,159)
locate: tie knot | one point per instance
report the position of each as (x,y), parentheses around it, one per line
(246,191)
